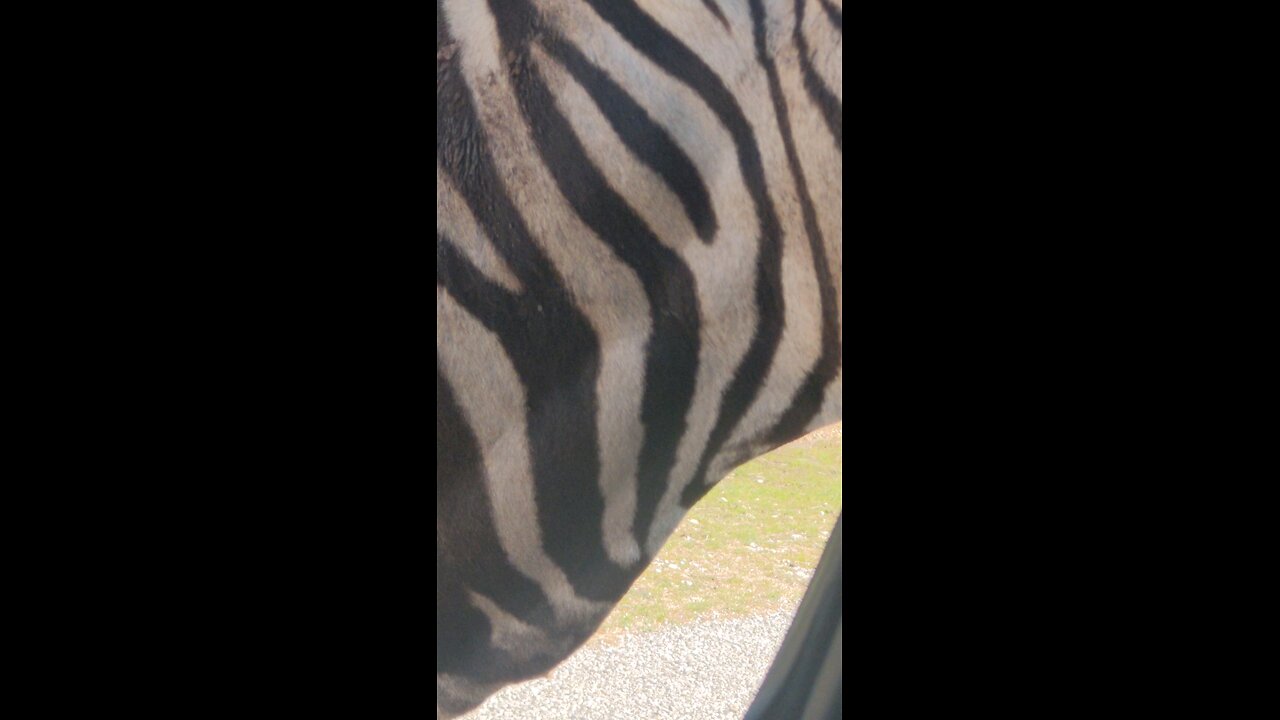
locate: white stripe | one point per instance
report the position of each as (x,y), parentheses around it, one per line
(519,640)
(465,233)
(832,405)
(826,47)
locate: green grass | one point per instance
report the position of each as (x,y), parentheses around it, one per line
(749,546)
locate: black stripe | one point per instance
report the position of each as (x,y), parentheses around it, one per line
(469,555)
(835,14)
(648,141)
(715,10)
(831,107)
(807,402)
(671,357)
(656,43)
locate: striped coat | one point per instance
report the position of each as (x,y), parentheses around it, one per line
(639,223)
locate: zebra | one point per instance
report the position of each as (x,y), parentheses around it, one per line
(639,262)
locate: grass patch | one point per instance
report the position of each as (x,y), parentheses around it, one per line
(749,546)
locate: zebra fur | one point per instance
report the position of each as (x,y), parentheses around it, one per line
(638,287)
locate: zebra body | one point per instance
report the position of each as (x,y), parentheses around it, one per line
(638,287)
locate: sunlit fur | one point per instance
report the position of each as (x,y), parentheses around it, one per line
(639,217)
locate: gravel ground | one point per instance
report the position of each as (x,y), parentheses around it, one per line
(704,671)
